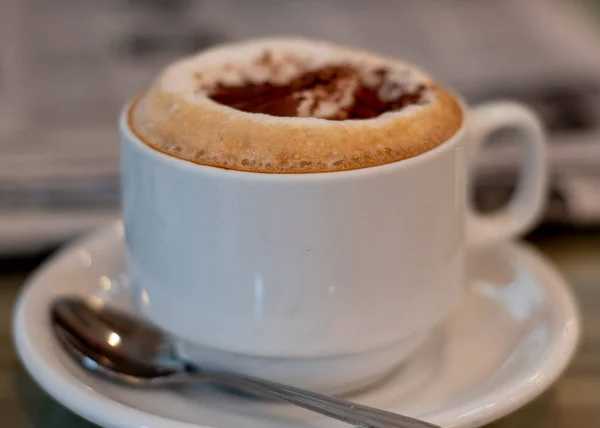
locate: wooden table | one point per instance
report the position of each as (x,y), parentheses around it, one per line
(573,402)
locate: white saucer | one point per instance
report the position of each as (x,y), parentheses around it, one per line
(512,335)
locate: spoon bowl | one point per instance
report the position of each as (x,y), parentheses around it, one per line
(117,334)
(126,374)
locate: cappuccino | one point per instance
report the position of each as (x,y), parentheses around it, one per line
(294,106)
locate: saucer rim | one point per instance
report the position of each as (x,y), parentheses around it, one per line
(92,405)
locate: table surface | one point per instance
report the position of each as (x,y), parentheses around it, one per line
(573,402)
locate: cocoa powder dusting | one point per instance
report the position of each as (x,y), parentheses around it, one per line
(340,85)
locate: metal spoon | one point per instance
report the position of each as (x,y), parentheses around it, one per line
(131,351)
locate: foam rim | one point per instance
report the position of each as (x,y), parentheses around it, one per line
(128,131)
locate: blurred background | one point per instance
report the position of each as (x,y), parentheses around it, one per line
(67,67)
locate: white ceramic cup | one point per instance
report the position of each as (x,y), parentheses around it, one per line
(323,280)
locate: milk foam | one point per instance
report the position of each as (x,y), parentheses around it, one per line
(177,115)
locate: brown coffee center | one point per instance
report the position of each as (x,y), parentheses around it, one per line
(334,92)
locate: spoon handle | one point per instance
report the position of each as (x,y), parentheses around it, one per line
(337,408)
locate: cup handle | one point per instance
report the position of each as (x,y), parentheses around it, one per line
(529,198)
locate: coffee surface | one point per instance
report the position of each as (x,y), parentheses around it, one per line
(294,106)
